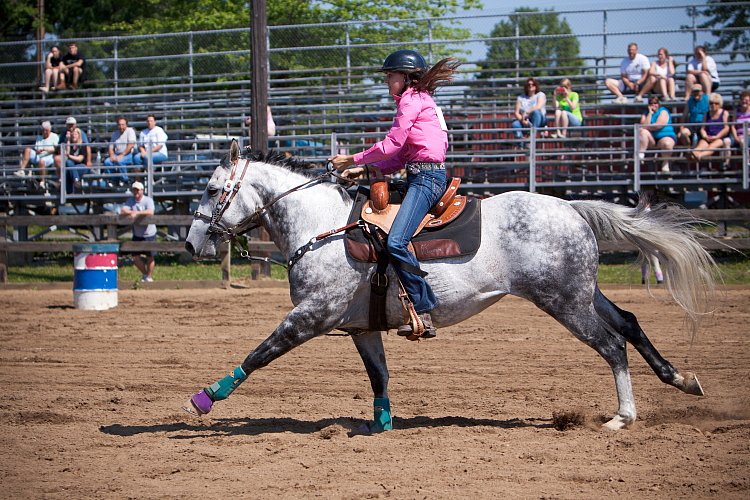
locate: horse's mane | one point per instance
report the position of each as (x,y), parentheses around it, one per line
(274,157)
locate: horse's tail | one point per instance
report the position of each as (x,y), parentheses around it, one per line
(669,233)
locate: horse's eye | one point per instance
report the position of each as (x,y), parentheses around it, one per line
(212,190)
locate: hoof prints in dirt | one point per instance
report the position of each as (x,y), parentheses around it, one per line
(41,417)
(567,420)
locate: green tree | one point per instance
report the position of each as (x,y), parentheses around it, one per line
(536,57)
(81,18)
(720,17)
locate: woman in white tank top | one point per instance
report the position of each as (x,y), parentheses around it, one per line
(663,71)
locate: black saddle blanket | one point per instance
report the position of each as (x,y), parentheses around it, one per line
(459,237)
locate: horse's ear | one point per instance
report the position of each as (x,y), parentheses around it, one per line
(234,152)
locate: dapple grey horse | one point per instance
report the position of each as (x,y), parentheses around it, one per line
(533,246)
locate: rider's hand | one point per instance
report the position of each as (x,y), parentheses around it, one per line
(340,162)
(353,173)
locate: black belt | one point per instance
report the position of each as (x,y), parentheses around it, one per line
(416,166)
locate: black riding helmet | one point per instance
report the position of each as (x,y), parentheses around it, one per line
(407,61)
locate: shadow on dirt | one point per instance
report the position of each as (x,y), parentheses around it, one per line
(259,426)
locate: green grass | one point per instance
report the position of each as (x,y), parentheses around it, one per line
(615,269)
(733,273)
(167,269)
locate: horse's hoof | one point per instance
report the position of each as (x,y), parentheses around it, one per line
(199,404)
(617,423)
(691,385)
(376,427)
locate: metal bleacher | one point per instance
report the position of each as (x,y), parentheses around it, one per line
(321,110)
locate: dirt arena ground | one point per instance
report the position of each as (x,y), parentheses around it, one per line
(91,405)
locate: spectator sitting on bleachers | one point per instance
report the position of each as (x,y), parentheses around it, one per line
(741,115)
(71,124)
(714,134)
(151,140)
(77,161)
(662,70)
(695,111)
(120,151)
(634,77)
(72,67)
(567,109)
(657,131)
(701,69)
(530,109)
(270,124)
(42,154)
(51,69)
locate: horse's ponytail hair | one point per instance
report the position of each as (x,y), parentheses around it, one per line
(438,75)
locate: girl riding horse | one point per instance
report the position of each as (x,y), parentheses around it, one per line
(417,141)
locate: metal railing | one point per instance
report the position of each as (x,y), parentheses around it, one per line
(490,160)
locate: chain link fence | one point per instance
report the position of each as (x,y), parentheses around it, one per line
(347,54)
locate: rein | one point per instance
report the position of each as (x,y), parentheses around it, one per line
(232,187)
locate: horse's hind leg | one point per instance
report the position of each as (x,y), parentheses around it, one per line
(588,327)
(370,348)
(627,325)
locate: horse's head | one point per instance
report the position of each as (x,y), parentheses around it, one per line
(224,210)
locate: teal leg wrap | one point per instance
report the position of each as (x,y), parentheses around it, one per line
(383,420)
(224,387)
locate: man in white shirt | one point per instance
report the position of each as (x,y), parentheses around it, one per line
(634,77)
(119,153)
(42,154)
(701,69)
(152,140)
(137,206)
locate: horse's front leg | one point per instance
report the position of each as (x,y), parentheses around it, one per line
(370,348)
(303,323)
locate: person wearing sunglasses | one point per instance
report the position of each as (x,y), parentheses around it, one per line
(714,134)
(531,108)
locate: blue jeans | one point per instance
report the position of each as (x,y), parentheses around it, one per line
(573,120)
(537,119)
(126,160)
(73,173)
(423,191)
(156,158)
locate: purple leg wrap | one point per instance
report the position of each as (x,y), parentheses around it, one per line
(202,402)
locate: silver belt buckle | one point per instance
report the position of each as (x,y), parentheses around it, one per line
(412,168)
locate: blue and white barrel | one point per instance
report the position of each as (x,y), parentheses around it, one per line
(95,277)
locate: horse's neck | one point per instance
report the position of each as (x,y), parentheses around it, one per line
(297,217)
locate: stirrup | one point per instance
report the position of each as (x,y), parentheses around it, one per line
(414,324)
(429,332)
(418,325)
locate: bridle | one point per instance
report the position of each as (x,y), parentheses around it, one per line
(232,186)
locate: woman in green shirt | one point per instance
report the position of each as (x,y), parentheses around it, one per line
(567,109)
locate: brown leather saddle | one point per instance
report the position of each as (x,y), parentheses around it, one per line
(450,229)
(378,211)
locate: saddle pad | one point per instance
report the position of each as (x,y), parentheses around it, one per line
(461,236)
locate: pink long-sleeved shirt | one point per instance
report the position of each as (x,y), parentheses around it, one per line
(415,136)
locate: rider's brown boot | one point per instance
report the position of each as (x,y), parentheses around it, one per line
(430,332)
(429,329)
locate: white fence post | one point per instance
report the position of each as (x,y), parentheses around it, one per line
(532,159)
(150,172)
(636,158)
